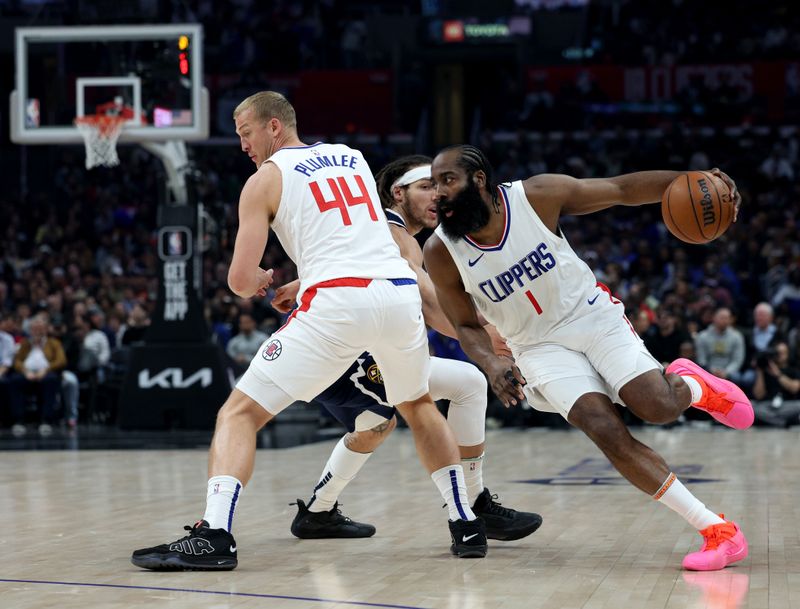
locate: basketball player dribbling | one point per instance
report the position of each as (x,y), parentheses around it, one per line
(322,203)
(499,250)
(358,398)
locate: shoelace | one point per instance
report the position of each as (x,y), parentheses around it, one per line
(335,512)
(718,402)
(495,507)
(192,531)
(717,533)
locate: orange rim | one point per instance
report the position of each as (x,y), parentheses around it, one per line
(103,123)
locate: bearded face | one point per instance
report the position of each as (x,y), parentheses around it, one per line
(464,212)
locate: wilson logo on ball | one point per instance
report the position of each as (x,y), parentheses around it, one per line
(706,203)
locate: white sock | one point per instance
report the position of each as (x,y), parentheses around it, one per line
(450,481)
(694,387)
(473,477)
(678,498)
(341,468)
(223,495)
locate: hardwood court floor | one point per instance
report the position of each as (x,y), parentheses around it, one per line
(70,520)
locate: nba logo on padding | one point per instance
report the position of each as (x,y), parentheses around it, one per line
(272,350)
(32,116)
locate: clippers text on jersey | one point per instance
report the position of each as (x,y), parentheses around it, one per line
(535,264)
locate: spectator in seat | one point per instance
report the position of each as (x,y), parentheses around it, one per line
(777,387)
(95,348)
(763,336)
(136,326)
(242,347)
(665,342)
(37,367)
(720,347)
(97,319)
(7,350)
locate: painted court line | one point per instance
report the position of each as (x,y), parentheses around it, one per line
(217,592)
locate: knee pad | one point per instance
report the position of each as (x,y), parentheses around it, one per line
(465,387)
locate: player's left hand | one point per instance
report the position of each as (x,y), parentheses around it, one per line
(286,296)
(263,279)
(734,192)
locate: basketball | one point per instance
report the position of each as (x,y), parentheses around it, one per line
(697,207)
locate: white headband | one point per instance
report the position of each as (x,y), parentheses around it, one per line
(423,172)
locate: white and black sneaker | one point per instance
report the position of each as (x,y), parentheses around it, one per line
(469,538)
(327,525)
(203,549)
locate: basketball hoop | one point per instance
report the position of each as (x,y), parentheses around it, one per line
(100,133)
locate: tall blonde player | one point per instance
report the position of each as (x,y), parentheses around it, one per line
(356,294)
(499,250)
(358,398)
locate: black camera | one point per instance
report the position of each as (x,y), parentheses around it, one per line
(765,357)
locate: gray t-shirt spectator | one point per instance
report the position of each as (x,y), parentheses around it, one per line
(244,346)
(720,351)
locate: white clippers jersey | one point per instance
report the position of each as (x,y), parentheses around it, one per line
(330,220)
(528,284)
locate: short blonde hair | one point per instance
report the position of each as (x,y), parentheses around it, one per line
(267,105)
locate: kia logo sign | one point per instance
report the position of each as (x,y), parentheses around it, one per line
(172,378)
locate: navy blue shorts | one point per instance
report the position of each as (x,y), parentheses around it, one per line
(359,389)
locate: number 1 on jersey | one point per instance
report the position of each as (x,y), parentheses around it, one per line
(343,198)
(534,302)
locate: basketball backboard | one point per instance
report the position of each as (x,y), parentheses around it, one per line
(151,74)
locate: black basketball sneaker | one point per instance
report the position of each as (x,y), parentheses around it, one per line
(327,525)
(503,523)
(203,549)
(469,538)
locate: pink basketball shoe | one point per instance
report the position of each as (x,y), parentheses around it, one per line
(723,544)
(721,399)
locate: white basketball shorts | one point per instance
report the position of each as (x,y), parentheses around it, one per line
(598,352)
(335,323)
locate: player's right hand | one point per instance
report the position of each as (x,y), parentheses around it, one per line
(506,381)
(734,192)
(286,296)
(499,344)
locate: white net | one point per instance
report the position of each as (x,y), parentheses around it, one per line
(100,133)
